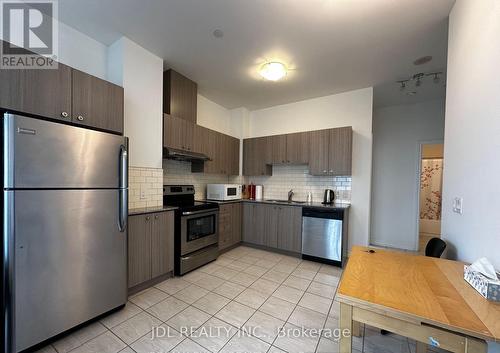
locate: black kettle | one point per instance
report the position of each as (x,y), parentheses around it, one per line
(329,197)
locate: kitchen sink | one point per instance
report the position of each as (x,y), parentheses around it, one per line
(285,201)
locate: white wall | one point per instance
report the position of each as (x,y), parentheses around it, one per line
(141,75)
(352,108)
(472,133)
(397,133)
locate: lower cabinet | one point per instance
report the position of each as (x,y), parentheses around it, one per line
(150,246)
(229,225)
(274,226)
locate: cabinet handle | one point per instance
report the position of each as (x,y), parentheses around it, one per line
(80,118)
(64,114)
(331,171)
(324,171)
(156,217)
(147,218)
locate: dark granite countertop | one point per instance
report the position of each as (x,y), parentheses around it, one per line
(335,206)
(144,210)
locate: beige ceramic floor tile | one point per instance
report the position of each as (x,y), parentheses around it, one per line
(136,327)
(255,270)
(229,290)
(118,317)
(173,285)
(275,276)
(148,297)
(293,341)
(302,273)
(244,279)
(188,320)
(264,286)
(297,282)
(235,314)
(214,334)
(167,308)
(167,339)
(225,273)
(245,344)
(238,265)
(105,343)
(263,326)
(290,294)
(189,346)
(211,303)
(191,294)
(327,279)
(279,308)
(79,337)
(209,282)
(315,302)
(321,289)
(304,317)
(251,298)
(310,266)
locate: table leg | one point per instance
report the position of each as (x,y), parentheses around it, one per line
(421,347)
(345,328)
(356,329)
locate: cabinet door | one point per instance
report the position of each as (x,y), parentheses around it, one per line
(178,133)
(253,220)
(236,223)
(212,149)
(225,226)
(270,214)
(257,156)
(162,243)
(234,156)
(179,96)
(97,103)
(318,152)
(297,148)
(340,151)
(290,228)
(277,144)
(139,249)
(45,93)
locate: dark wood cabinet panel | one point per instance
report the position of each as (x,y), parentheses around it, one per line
(162,243)
(179,96)
(234,156)
(139,249)
(236,222)
(340,152)
(257,156)
(225,226)
(253,224)
(318,152)
(277,144)
(178,133)
(45,93)
(289,228)
(96,103)
(297,148)
(150,246)
(270,220)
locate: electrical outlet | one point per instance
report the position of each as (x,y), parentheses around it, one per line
(458,205)
(143,194)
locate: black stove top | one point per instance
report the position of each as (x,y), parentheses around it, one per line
(182,196)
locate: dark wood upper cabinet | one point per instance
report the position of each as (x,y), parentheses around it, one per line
(278,147)
(96,103)
(179,96)
(340,154)
(257,156)
(318,152)
(45,93)
(297,148)
(178,133)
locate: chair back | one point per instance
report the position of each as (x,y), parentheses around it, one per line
(435,247)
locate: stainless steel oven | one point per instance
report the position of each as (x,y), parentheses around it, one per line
(199,229)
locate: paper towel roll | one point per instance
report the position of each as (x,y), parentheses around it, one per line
(259,192)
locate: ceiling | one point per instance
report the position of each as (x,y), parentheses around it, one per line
(331,46)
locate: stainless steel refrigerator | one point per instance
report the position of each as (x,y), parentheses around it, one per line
(64,249)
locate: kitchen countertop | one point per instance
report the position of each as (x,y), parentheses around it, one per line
(144,210)
(335,206)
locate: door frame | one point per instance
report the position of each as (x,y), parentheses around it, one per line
(417,189)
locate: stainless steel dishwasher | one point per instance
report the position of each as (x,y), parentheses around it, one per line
(324,235)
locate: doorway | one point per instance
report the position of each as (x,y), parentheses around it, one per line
(430,193)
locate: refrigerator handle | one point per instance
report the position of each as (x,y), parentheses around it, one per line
(123,189)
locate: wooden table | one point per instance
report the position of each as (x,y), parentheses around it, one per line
(419,297)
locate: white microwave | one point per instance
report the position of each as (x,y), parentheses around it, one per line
(223,192)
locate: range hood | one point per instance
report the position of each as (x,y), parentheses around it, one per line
(181,155)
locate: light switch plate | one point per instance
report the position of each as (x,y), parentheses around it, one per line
(458,205)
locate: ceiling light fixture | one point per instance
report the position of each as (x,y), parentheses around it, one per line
(273,71)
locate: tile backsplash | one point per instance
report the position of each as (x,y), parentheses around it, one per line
(147,182)
(177,172)
(284,178)
(296,177)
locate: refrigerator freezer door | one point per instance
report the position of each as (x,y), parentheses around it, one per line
(322,237)
(70,259)
(42,154)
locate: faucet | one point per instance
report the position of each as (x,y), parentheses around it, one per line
(290,195)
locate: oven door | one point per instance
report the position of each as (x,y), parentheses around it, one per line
(198,230)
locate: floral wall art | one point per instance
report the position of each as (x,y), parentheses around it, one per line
(431,182)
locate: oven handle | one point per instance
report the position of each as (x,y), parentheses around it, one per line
(189,213)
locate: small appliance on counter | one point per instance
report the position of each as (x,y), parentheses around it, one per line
(329,197)
(259,192)
(196,228)
(223,192)
(251,191)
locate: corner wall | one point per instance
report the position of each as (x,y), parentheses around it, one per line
(397,134)
(352,108)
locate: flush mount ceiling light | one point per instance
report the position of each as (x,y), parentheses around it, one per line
(273,71)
